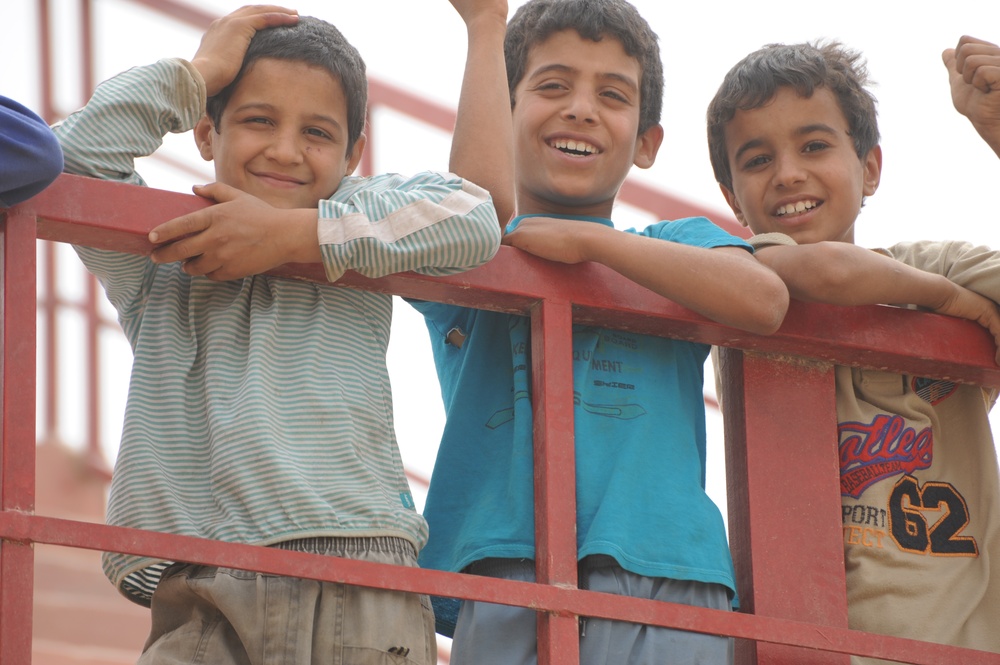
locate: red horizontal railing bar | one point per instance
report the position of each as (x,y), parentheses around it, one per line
(20,527)
(118,216)
(104,214)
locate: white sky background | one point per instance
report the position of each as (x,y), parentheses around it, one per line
(938,181)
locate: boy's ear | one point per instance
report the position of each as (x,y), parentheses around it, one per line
(647,145)
(203,137)
(872,164)
(733,204)
(356,152)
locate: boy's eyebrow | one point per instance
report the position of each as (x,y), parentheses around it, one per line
(628,81)
(264,106)
(821,127)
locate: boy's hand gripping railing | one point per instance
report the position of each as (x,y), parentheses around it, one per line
(784,499)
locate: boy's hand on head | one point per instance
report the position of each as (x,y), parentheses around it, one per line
(974,74)
(562,240)
(967,304)
(224,44)
(239,236)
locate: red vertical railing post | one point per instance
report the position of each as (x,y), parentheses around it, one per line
(17,429)
(784,497)
(555,473)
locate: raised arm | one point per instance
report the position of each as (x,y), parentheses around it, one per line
(974,73)
(127,118)
(482,146)
(723,283)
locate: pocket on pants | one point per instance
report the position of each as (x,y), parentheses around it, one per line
(383,627)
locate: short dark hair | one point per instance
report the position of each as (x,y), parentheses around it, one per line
(755,80)
(537,20)
(314,42)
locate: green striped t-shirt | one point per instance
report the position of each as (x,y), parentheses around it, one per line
(259,410)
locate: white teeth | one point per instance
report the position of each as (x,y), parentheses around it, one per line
(569,145)
(800,206)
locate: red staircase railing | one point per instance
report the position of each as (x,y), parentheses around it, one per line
(794,607)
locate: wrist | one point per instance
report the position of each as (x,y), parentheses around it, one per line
(598,243)
(990,133)
(487,25)
(945,293)
(303,237)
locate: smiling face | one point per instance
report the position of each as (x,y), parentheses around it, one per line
(576,120)
(283,135)
(795,169)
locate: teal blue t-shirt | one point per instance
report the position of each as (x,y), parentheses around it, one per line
(640,441)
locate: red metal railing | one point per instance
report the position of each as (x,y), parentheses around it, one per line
(794,606)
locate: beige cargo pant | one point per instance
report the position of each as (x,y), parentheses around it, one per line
(221,616)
